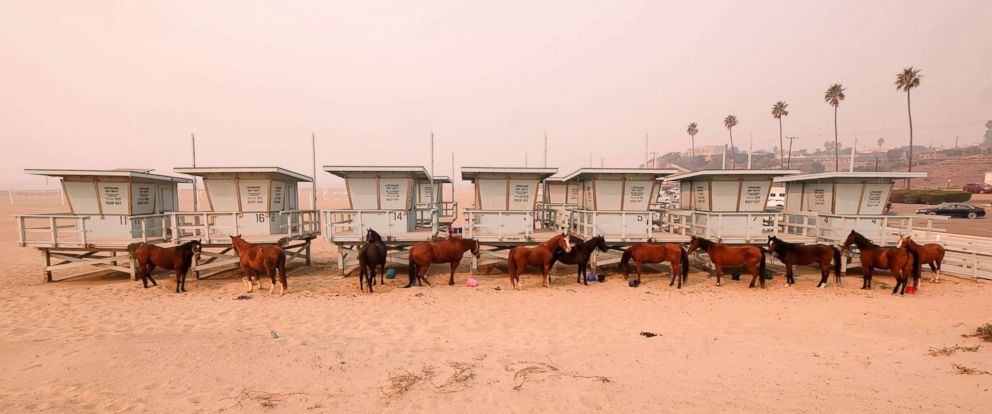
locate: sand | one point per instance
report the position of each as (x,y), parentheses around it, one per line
(104,344)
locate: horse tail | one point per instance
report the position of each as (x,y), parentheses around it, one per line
(685,263)
(412,268)
(836,262)
(281,269)
(510,266)
(625,262)
(761,265)
(916,263)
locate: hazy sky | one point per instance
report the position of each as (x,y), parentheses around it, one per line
(122,84)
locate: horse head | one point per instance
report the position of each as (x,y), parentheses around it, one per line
(237,242)
(563,243)
(904,241)
(599,242)
(773,243)
(852,238)
(693,244)
(476,251)
(371,236)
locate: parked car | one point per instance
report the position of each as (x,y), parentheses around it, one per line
(953,210)
(776,199)
(978,188)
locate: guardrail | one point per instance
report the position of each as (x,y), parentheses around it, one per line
(51,230)
(509,225)
(730,227)
(613,224)
(202,225)
(301,223)
(351,224)
(964,255)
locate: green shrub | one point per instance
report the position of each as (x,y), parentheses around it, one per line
(929,196)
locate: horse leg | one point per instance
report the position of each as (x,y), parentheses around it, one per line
(183,286)
(866,276)
(900,280)
(454,265)
(824,273)
(675,274)
(361,277)
(933,269)
(719,271)
(371,280)
(382,274)
(755,276)
(637,263)
(581,274)
(179,279)
(422,276)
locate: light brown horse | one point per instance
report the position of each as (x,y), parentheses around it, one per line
(270,258)
(930,253)
(179,258)
(903,263)
(541,255)
(657,253)
(722,255)
(450,251)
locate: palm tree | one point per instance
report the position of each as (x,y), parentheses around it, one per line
(833,96)
(778,111)
(730,122)
(906,81)
(692,131)
(881,141)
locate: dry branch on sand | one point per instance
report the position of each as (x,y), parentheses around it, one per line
(950,350)
(963,370)
(983,332)
(540,371)
(399,385)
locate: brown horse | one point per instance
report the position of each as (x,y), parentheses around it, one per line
(793,254)
(541,255)
(901,262)
(179,258)
(722,255)
(450,251)
(270,258)
(657,253)
(930,253)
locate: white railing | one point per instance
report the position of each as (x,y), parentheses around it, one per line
(615,225)
(301,223)
(51,230)
(151,227)
(965,255)
(351,224)
(203,226)
(512,225)
(882,229)
(730,227)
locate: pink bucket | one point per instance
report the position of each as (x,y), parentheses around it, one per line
(471,282)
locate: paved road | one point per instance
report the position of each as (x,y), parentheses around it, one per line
(977,227)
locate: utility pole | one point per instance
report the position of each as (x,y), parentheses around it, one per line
(545,150)
(955,142)
(645,150)
(654,159)
(313,160)
(602,162)
(789,162)
(525,160)
(854,149)
(196,195)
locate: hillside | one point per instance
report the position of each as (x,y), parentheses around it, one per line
(959,170)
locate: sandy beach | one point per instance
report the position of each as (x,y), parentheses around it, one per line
(104,344)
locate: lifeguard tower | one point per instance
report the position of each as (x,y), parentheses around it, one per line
(108,210)
(725,205)
(615,203)
(395,201)
(447,208)
(827,206)
(504,214)
(259,203)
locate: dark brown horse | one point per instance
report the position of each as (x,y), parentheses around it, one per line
(580,255)
(930,253)
(657,253)
(450,251)
(796,254)
(541,255)
(256,258)
(373,254)
(179,258)
(903,263)
(722,255)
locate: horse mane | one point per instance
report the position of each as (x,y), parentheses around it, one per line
(862,240)
(375,236)
(781,246)
(549,243)
(704,244)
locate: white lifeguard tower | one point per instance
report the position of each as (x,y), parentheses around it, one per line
(108,210)
(725,205)
(259,203)
(825,207)
(394,201)
(447,210)
(504,214)
(616,203)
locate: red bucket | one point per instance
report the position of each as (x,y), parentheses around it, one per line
(911,290)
